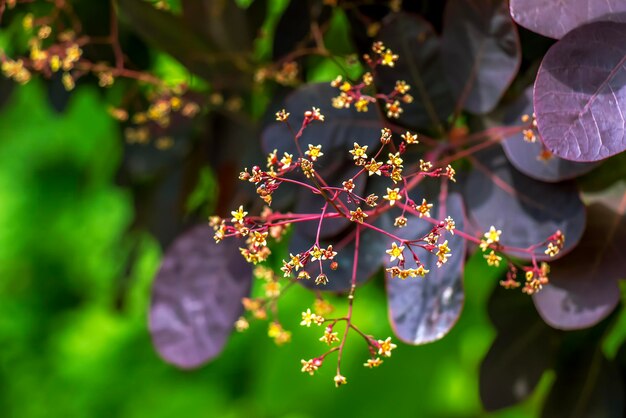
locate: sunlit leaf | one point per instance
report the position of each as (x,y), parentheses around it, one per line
(555,19)
(580,93)
(527,157)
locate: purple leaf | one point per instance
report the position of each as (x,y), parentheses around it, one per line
(196,297)
(418,46)
(525,156)
(423,310)
(580,93)
(524,348)
(587,385)
(556,18)
(526,210)
(584,286)
(481,52)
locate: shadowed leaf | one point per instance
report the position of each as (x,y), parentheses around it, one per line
(526,210)
(171,34)
(414,40)
(340,129)
(587,385)
(583,285)
(525,156)
(423,310)
(480,51)
(555,18)
(524,348)
(371,254)
(196,297)
(580,93)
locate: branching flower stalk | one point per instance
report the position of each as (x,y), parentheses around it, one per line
(342,201)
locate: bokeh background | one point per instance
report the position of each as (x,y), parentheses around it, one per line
(77,263)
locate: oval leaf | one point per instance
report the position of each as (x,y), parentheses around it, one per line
(555,18)
(481,52)
(526,210)
(583,287)
(196,297)
(519,355)
(418,46)
(580,93)
(587,385)
(423,310)
(525,156)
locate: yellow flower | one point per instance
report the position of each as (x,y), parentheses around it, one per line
(493,235)
(308,318)
(395,160)
(421,271)
(402,87)
(393,109)
(361,105)
(392,196)
(314,152)
(373,167)
(493,259)
(238,215)
(358,152)
(410,138)
(443,253)
(424,208)
(316,253)
(357,215)
(395,252)
(389,58)
(329,337)
(373,362)
(309,366)
(282,115)
(385,347)
(339,380)
(450,225)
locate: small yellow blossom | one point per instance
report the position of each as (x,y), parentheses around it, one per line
(389,58)
(241,324)
(339,380)
(348,185)
(329,337)
(400,222)
(314,152)
(443,253)
(359,152)
(393,109)
(282,115)
(373,167)
(424,209)
(308,318)
(238,215)
(316,253)
(493,235)
(385,347)
(309,366)
(392,195)
(395,160)
(493,259)
(373,362)
(449,225)
(361,105)
(410,138)
(321,279)
(395,252)
(357,215)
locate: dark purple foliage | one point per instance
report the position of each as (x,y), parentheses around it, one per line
(423,310)
(584,285)
(587,385)
(480,51)
(524,348)
(371,255)
(556,18)
(196,297)
(419,48)
(526,210)
(525,156)
(341,128)
(580,93)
